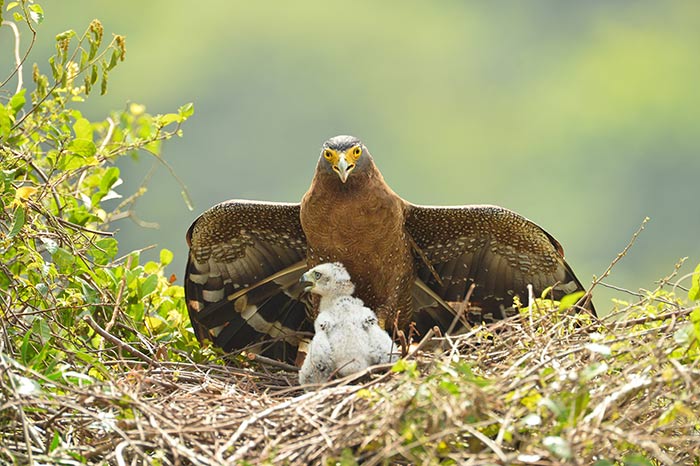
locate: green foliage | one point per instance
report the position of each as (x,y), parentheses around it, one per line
(61,276)
(694,293)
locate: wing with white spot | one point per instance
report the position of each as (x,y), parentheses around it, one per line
(497,250)
(242,278)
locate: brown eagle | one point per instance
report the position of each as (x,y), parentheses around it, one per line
(408,262)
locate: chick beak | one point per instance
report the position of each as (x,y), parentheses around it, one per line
(343,168)
(307,282)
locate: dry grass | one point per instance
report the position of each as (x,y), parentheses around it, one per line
(543,388)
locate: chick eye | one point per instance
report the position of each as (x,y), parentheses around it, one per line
(327,154)
(317,274)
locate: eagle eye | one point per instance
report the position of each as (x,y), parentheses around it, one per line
(317,274)
(328,154)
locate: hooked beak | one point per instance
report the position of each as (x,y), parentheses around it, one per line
(343,168)
(307,282)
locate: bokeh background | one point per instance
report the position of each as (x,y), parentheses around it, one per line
(582,116)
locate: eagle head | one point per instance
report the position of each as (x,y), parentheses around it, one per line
(342,154)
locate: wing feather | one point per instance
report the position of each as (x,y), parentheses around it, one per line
(241,281)
(498,250)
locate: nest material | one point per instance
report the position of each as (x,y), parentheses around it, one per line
(541,388)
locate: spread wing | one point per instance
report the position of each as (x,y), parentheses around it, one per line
(497,250)
(242,278)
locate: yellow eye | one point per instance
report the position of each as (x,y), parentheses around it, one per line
(354,153)
(328,154)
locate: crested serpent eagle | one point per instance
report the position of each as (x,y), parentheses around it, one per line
(409,262)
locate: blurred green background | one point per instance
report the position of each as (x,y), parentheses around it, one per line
(582,116)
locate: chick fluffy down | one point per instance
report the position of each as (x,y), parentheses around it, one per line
(348,339)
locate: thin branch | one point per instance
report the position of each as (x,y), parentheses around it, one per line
(118,300)
(82,228)
(108,136)
(119,343)
(464,306)
(587,296)
(271,362)
(18,60)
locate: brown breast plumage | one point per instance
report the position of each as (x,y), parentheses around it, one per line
(361,224)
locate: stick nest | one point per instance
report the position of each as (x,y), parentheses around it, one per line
(545,387)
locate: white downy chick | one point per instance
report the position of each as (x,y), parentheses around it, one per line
(347,336)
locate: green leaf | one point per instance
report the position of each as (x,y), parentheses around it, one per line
(186,111)
(136,311)
(450,387)
(17,101)
(83,129)
(636,460)
(405,366)
(27,351)
(168,118)
(148,286)
(104,251)
(347,458)
(63,259)
(113,59)
(151,267)
(103,85)
(5,122)
(694,293)
(684,335)
(70,162)
(110,177)
(570,299)
(94,74)
(83,59)
(38,362)
(166,256)
(36,13)
(77,457)
(695,319)
(18,222)
(82,147)
(94,46)
(603,463)
(55,441)
(11,5)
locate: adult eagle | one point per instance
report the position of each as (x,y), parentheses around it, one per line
(408,262)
